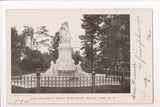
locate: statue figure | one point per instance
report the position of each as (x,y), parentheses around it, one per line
(64,35)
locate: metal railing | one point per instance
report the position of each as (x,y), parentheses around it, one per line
(97,83)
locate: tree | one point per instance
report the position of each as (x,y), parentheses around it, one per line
(115,40)
(90,24)
(35,60)
(55,44)
(26,58)
(110,34)
(17,50)
(42,38)
(76,57)
(28,33)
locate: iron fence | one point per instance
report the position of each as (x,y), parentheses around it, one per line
(112,82)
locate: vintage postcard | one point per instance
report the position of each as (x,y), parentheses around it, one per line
(79,56)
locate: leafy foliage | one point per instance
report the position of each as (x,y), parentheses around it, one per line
(110,37)
(35,59)
(25,58)
(76,57)
(17,46)
(55,46)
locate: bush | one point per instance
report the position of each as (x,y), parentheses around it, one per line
(16,70)
(35,60)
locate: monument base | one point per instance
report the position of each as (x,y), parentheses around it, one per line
(66,73)
(65,62)
(54,72)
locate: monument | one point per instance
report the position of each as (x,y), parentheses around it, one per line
(65,66)
(65,63)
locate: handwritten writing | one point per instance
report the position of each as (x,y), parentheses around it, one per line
(149,35)
(140,43)
(133,81)
(24,101)
(146,81)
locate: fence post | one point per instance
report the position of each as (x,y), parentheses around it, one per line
(106,72)
(122,82)
(123,79)
(93,81)
(38,80)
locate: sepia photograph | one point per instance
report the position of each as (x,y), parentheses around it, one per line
(91,57)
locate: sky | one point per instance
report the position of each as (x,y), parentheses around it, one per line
(51,19)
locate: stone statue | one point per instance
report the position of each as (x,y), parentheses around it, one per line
(64,65)
(65,35)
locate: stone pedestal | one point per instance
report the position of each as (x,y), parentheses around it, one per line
(65,66)
(65,63)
